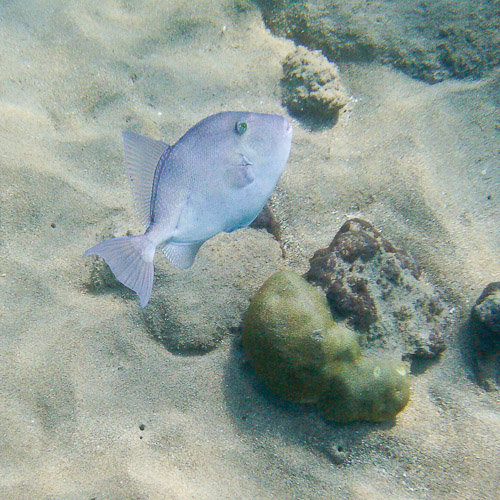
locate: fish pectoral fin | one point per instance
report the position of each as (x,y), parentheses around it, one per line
(182,254)
(240,176)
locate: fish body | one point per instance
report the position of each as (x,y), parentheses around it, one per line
(216,178)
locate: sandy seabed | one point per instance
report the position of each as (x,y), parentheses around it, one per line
(92,406)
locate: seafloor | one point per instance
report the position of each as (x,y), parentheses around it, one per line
(100,400)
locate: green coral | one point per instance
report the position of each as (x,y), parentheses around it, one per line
(302,355)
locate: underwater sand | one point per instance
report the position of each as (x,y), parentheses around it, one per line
(80,372)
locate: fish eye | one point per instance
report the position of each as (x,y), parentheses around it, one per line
(241,127)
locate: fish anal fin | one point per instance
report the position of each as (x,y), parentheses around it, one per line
(182,254)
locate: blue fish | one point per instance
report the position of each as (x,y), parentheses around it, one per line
(216,178)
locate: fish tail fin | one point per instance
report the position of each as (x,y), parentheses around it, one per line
(131,260)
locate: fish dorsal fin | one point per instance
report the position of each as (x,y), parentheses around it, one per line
(182,255)
(141,158)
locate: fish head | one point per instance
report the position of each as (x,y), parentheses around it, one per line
(264,140)
(233,139)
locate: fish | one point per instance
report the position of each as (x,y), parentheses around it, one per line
(216,178)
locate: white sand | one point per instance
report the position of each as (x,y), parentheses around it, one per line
(80,372)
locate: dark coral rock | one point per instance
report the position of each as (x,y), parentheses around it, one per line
(350,297)
(380,290)
(358,239)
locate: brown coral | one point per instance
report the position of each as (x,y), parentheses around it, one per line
(311,85)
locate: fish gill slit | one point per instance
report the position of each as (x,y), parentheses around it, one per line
(186,203)
(156,178)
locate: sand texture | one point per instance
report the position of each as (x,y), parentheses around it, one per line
(102,400)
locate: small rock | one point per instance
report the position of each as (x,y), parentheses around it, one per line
(486,330)
(379,289)
(311,86)
(267,220)
(100,276)
(486,311)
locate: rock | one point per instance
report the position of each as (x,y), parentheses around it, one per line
(380,290)
(486,336)
(311,86)
(486,311)
(428,40)
(302,355)
(267,220)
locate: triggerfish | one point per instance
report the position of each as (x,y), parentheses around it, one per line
(216,178)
